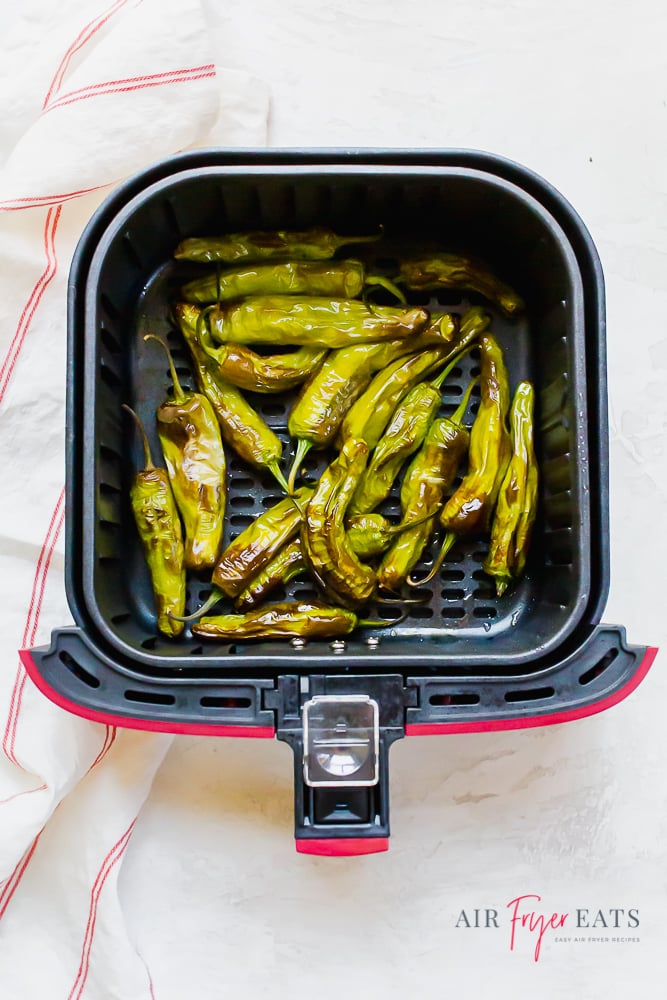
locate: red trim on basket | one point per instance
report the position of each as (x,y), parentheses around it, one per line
(81,39)
(112,858)
(532,721)
(147,725)
(32,620)
(342,846)
(132,83)
(40,286)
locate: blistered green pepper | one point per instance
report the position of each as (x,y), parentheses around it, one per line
(289,620)
(159,528)
(468,511)
(243,367)
(195,460)
(336,568)
(312,244)
(408,426)
(324,401)
(284,566)
(241,426)
(516,508)
(371,534)
(344,279)
(369,416)
(424,487)
(312,321)
(449,270)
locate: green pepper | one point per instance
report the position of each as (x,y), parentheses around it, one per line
(321,407)
(244,368)
(448,270)
(469,509)
(284,566)
(371,534)
(369,416)
(241,426)
(258,543)
(313,244)
(289,620)
(336,568)
(195,460)
(516,508)
(312,321)
(423,491)
(344,279)
(159,528)
(408,427)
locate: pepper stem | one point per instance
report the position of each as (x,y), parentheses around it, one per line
(380,622)
(179,395)
(389,286)
(147,448)
(302,449)
(457,416)
(449,541)
(210,602)
(396,529)
(438,382)
(278,473)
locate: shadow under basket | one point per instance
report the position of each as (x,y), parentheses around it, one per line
(462,660)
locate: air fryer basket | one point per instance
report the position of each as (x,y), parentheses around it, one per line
(463,659)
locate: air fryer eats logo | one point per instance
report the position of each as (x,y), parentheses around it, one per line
(529,924)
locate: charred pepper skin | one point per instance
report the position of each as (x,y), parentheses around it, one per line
(159,529)
(284,566)
(259,543)
(468,511)
(289,620)
(448,270)
(311,321)
(241,426)
(244,368)
(318,243)
(333,563)
(516,507)
(195,460)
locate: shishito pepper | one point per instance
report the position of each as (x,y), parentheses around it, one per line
(159,528)
(516,508)
(336,568)
(324,401)
(344,279)
(371,534)
(195,460)
(312,321)
(423,491)
(241,426)
(244,368)
(259,543)
(468,511)
(289,620)
(313,244)
(449,270)
(284,566)
(409,424)
(369,416)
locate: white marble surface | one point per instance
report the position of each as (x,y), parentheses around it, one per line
(574,813)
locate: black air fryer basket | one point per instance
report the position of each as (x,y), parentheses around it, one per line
(461,661)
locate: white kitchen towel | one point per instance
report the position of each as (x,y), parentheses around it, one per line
(91,93)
